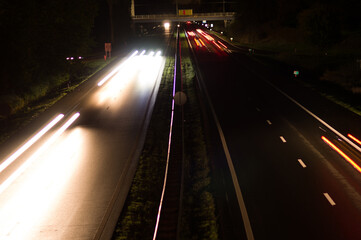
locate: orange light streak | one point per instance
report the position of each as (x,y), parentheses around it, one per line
(222,44)
(348,159)
(218,46)
(196,42)
(353,138)
(202,42)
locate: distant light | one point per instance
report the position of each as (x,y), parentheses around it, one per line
(211,24)
(221,32)
(204,21)
(80,57)
(67,58)
(296,73)
(72,58)
(158,53)
(178,25)
(166,25)
(231,38)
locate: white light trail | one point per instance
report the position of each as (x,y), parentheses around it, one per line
(29,143)
(26,164)
(116,69)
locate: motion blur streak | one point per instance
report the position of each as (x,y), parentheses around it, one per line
(28,144)
(196,42)
(116,69)
(353,138)
(202,42)
(27,163)
(222,44)
(209,38)
(145,67)
(151,65)
(348,159)
(30,201)
(218,46)
(191,33)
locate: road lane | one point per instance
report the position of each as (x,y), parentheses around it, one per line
(284,200)
(69,191)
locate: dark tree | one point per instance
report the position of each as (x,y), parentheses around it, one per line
(39,35)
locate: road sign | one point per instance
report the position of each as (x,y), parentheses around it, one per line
(108,50)
(185,12)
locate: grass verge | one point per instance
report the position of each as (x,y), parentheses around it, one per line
(139,213)
(336,76)
(29,107)
(198,219)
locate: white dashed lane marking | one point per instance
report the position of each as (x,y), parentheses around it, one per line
(302,163)
(329,199)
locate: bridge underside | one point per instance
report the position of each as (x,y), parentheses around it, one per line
(228,16)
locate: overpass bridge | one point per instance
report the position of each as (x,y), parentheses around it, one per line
(226,16)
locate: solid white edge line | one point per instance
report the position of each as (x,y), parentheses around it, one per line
(315,116)
(329,199)
(305,109)
(302,163)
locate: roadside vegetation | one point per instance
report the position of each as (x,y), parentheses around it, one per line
(198,219)
(139,213)
(19,109)
(321,38)
(40,36)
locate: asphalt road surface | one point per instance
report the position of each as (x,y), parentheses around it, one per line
(72,182)
(294,185)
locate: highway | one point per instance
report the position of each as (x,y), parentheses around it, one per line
(294,184)
(67,174)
